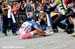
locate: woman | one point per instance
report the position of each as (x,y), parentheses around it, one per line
(42,21)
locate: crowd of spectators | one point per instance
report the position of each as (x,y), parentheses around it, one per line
(39,8)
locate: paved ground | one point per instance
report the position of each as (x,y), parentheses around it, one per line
(56,41)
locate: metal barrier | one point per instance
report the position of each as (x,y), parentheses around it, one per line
(21,17)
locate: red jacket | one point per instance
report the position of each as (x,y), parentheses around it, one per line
(15,9)
(74,1)
(66,2)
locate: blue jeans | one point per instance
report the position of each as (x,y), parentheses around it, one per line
(1,26)
(43,27)
(12,25)
(1,23)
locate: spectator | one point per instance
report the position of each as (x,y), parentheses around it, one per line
(8,18)
(15,9)
(24,3)
(0,16)
(48,16)
(54,14)
(63,11)
(5,18)
(42,21)
(37,10)
(28,7)
(22,18)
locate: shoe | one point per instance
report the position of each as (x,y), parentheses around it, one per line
(73,34)
(5,34)
(14,34)
(55,30)
(49,32)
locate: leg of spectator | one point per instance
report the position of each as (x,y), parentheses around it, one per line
(5,25)
(13,26)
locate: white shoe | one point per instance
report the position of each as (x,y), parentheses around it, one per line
(49,32)
(73,34)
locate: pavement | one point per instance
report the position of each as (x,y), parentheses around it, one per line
(59,40)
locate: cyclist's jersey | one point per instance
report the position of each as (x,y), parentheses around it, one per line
(25,28)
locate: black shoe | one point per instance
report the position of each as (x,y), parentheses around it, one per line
(14,34)
(5,34)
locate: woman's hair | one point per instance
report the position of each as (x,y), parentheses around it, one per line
(52,1)
(29,13)
(42,14)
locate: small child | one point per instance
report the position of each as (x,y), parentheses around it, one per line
(42,21)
